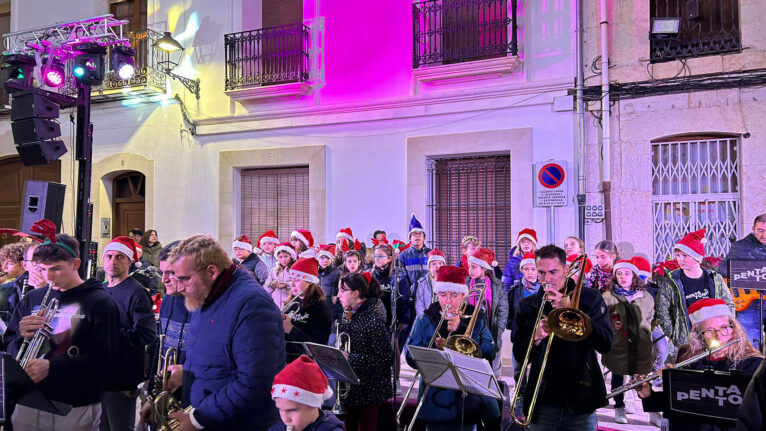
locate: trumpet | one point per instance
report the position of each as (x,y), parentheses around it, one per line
(570,324)
(289,308)
(653,375)
(30,348)
(342,343)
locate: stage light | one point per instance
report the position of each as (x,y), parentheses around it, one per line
(54,74)
(18,72)
(88,68)
(122,63)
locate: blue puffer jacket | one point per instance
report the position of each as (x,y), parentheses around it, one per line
(446,406)
(236,348)
(512,272)
(326,422)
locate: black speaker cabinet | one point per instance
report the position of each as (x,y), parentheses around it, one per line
(41,152)
(42,200)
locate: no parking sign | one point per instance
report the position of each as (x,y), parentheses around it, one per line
(551,184)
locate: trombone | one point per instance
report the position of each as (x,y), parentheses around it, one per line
(569,323)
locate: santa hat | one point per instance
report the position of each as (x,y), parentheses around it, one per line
(400,246)
(306,268)
(625,264)
(693,244)
(436,255)
(451,279)
(124,245)
(588,263)
(527,259)
(303,382)
(415,226)
(287,248)
(529,234)
(327,250)
(268,236)
(707,308)
(484,258)
(643,265)
(243,242)
(345,233)
(310,252)
(303,235)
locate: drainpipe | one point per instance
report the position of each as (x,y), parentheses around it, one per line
(580,110)
(606,171)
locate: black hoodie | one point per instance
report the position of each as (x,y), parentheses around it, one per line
(83,345)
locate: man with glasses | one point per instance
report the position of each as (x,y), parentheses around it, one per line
(238,344)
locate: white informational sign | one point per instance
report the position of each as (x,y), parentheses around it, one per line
(551,184)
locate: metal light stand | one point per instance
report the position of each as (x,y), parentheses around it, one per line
(84,155)
(394,298)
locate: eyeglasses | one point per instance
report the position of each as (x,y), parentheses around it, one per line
(183,279)
(379,256)
(723,330)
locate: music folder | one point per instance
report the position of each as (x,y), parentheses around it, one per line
(18,388)
(449,369)
(331,361)
(713,395)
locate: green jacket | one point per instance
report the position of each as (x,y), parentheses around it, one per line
(670,306)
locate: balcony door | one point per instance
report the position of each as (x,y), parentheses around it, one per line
(282,40)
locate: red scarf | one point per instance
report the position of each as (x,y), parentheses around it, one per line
(220,285)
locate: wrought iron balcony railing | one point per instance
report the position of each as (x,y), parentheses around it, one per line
(706,27)
(267,56)
(454,31)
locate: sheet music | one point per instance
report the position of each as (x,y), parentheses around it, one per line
(476,374)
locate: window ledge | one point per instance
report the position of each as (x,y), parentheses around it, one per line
(463,72)
(266,92)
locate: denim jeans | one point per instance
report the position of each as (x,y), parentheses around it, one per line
(662,348)
(750,321)
(551,418)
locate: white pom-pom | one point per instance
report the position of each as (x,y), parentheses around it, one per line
(412,215)
(138,264)
(703,240)
(494,263)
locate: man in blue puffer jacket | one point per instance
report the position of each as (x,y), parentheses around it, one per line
(236,345)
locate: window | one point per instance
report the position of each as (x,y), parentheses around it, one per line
(470,196)
(695,184)
(706,27)
(275,199)
(454,31)
(132,10)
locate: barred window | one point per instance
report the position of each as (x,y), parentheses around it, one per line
(695,184)
(470,196)
(275,199)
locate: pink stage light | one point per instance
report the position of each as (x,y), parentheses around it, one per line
(54,77)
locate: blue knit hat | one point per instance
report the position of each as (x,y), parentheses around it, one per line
(415,226)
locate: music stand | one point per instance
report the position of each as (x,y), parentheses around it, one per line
(750,274)
(332,362)
(449,369)
(18,388)
(712,395)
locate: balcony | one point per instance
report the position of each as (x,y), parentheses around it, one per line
(707,27)
(268,62)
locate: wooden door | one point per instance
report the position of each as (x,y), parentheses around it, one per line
(13,174)
(128,203)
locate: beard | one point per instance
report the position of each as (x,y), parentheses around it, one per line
(195,300)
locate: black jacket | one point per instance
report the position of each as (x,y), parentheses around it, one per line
(750,415)
(311,324)
(138,329)
(572,376)
(81,353)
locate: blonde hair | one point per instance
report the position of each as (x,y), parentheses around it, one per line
(468,239)
(736,353)
(203,250)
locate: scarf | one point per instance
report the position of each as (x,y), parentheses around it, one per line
(220,285)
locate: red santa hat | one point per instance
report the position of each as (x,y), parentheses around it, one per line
(287,248)
(451,279)
(306,268)
(327,250)
(693,244)
(243,242)
(588,263)
(268,237)
(125,245)
(346,234)
(484,258)
(303,382)
(436,255)
(625,264)
(529,234)
(643,265)
(304,236)
(707,308)
(527,259)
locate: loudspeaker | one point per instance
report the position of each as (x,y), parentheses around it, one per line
(42,200)
(35,129)
(29,105)
(41,152)
(692,9)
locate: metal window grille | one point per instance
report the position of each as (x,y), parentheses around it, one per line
(470,196)
(707,27)
(275,199)
(267,56)
(695,184)
(453,31)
